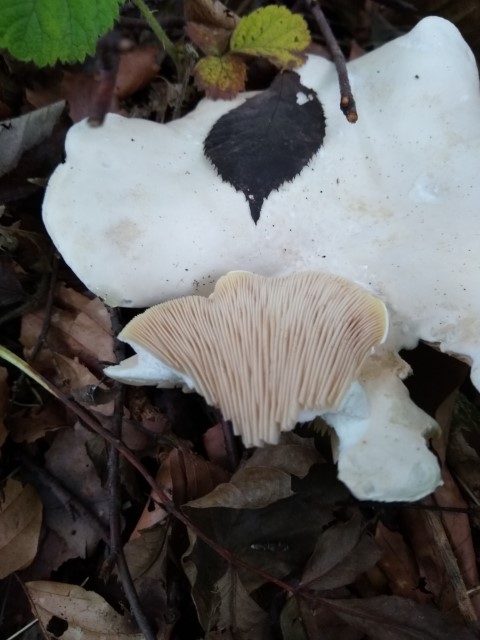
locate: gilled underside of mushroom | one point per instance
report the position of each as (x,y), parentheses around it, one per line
(270,352)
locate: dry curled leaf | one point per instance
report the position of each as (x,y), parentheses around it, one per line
(397,619)
(68,461)
(342,553)
(20,524)
(210,13)
(265,478)
(85,615)
(184,476)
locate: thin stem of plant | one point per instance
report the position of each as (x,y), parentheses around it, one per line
(347,101)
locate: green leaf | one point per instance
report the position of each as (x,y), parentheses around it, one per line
(274,33)
(45,31)
(221,77)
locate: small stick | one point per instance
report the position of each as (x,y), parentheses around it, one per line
(116,547)
(48,309)
(347,101)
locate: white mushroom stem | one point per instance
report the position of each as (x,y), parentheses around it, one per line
(381,435)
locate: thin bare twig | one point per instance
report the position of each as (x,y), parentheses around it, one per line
(48,309)
(347,101)
(116,547)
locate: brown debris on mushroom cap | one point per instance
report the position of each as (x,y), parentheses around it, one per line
(264,350)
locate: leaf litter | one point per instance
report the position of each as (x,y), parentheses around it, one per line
(275,546)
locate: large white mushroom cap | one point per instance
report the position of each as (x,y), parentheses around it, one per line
(141,216)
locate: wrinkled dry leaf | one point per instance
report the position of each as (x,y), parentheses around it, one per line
(277,538)
(234,609)
(343,552)
(4,394)
(184,476)
(464,448)
(20,525)
(399,566)
(28,427)
(25,132)
(136,69)
(87,614)
(457,525)
(431,569)
(147,558)
(79,327)
(302,623)
(397,619)
(79,339)
(68,460)
(265,478)
(212,41)
(210,13)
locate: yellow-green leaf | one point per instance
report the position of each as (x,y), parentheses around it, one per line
(221,77)
(274,33)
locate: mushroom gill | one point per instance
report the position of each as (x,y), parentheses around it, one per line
(265,351)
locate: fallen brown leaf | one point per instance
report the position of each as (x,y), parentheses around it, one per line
(137,68)
(4,394)
(28,427)
(20,525)
(398,564)
(79,327)
(342,553)
(265,478)
(185,476)
(86,614)
(68,461)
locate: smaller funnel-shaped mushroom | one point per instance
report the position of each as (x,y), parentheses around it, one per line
(271,352)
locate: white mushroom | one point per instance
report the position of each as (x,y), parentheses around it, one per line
(269,352)
(391,202)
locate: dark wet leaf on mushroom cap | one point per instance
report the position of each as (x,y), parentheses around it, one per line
(268,140)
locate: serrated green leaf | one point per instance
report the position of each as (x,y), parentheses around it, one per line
(221,77)
(45,31)
(274,33)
